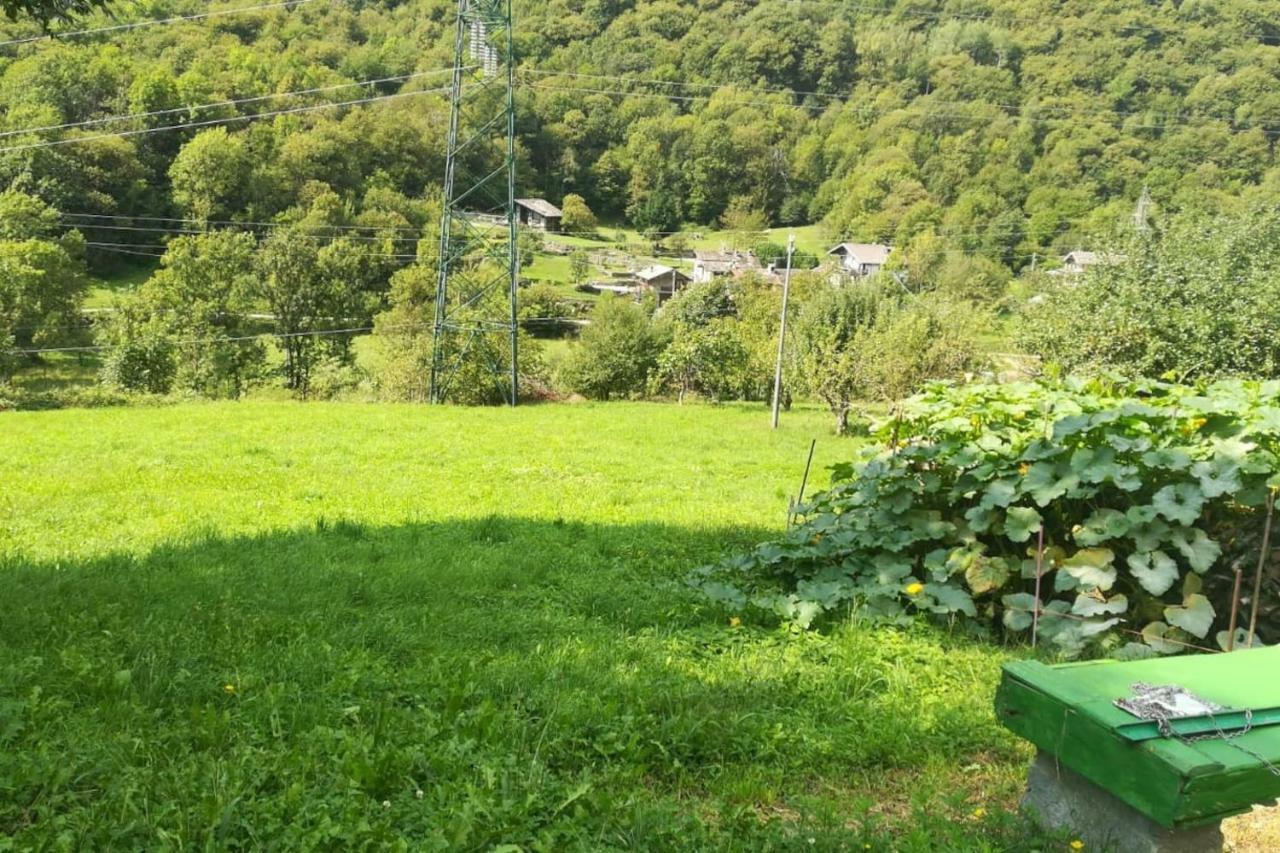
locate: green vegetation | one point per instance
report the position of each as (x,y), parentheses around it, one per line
(1094,504)
(1199,299)
(278,623)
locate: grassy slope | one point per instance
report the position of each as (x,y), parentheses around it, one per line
(483,606)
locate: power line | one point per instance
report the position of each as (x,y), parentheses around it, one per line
(177,19)
(236,222)
(220,121)
(197,232)
(137,247)
(219,104)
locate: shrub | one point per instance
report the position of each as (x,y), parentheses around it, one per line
(1200,301)
(1144,492)
(578,218)
(616,353)
(860,342)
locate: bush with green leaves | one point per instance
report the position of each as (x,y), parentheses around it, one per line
(1200,300)
(1147,496)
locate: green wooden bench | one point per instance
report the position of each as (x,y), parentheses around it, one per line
(1196,771)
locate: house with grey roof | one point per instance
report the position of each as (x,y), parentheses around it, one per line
(538,213)
(861,259)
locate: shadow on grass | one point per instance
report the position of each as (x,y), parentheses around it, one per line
(463,684)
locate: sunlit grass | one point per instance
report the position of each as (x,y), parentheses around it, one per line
(351,625)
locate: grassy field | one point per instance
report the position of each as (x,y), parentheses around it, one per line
(345,625)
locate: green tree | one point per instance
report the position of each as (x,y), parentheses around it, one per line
(616,353)
(46,11)
(42,274)
(200,298)
(579,267)
(578,218)
(708,359)
(211,175)
(829,328)
(304,301)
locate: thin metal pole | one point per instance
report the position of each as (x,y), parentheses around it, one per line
(782,332)
(1256,599)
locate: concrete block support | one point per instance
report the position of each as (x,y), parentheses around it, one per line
(1060,799)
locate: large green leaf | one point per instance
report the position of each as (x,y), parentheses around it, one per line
(1018,610)
(950,599)
(1201,551)
(1102,526)
(1217,476)
(1195,616)
(1048,481)
(985,574)
(1180,503)
(1155,634)
(1091,567)
(1020,522)
(1088,605)
(1155,571)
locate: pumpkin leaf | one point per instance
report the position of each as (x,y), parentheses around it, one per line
(1195,616)
(1101,526)
(1091,567)
(1155,571)
(1088,605)
(1201,551)
(1020,522)
(1018,610)
(985,574)
(1180,503)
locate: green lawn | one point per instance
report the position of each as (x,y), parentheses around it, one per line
(347,625)
(103,291)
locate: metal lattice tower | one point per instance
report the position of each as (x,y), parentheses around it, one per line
(476,327)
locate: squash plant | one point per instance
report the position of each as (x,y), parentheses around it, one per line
(1130,499)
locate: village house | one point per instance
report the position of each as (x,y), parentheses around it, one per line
(708,264)
(538,213)
(662,280)
(861,259)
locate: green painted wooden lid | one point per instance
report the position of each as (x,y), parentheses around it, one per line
(1069,712)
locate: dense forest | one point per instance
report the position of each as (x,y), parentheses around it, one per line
(1002,128)
(981,139)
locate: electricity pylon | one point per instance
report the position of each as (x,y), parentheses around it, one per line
(475,333)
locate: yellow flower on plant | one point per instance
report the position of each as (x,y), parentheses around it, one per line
(734,622)
(1024,468)
(1077,844)
(979,812)
(914,588)
(229,689)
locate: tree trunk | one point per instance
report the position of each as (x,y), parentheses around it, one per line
(842,419)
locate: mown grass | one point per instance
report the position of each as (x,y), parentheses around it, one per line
(343,625)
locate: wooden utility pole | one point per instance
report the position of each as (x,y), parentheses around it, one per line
(782,330)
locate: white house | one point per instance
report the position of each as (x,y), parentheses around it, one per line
(861,259)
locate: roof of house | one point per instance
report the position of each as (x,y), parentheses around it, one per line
(1081,258)
(540,206)
(653,271)
(864,253)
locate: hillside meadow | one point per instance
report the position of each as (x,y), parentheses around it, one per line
(360,626)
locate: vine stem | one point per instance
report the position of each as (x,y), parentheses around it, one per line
(1255,600)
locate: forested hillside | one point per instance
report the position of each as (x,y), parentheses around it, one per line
(278,162)
(1006,128)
